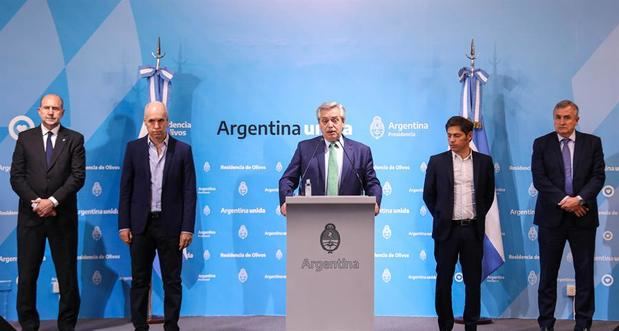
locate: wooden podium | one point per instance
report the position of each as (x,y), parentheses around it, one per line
(330,263)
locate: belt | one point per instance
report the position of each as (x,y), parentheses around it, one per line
(154,215)
(464,222)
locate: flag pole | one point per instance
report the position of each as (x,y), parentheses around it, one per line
(472,56)
(155,319)
(472,80)
(157,54)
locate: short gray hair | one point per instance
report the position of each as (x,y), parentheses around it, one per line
(565,104)
(330,105)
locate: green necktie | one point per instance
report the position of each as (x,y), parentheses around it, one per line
(332,172)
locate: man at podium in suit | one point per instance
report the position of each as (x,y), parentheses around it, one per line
(568,173)
(334,164)
(458,191)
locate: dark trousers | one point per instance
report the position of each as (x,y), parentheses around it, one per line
(551,244)
(462,242)
(143,249)
(30,251)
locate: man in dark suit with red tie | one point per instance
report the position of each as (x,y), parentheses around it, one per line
(156,213)
(458,191)
(568,173)
(47,171)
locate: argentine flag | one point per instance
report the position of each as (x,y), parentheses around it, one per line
(158,86)
(472,79)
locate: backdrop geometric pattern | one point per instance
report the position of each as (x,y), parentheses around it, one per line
(248,77)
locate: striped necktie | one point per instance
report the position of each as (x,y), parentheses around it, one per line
(567,165)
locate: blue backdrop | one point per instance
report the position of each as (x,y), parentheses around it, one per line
(248,77)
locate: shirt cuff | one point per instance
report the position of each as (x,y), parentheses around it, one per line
(563,200)
(191,233)
(54,201)
(125,229)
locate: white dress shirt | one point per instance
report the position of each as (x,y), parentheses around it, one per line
(464,187)
(156,162)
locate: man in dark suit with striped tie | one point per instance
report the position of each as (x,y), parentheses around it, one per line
(47,171)
(568,172)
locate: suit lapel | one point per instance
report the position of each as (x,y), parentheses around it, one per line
(450,173)
(169,156)
(450,178)
(61,142)
(145,164)
(320,160)
(476,167)
(347,168)
(555,152)
(578,147)
(36,140)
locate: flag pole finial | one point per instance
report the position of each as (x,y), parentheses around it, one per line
(472,55)
(157,53)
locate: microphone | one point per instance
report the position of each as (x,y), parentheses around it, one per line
(302,184)
(352,165)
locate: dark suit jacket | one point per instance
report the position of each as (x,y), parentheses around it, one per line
(438,191)
(178,194)
(362,164)
(549,179)
(31,178)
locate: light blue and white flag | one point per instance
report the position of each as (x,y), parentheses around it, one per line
(472,81)
(158,86)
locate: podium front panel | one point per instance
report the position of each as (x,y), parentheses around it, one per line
(330,263)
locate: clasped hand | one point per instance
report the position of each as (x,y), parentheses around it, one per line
(43,207)
(572,205)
